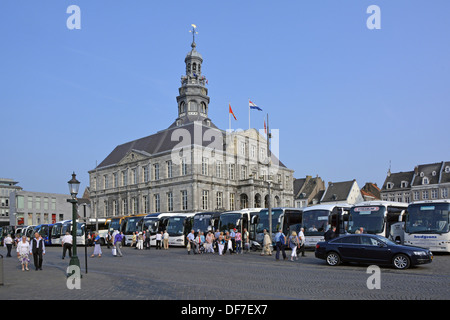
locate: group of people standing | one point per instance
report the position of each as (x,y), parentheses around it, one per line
(232,241)
(25,248)
(296,242)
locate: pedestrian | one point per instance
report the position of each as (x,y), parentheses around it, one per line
(190,245)
(233,239)
(301,236)
(23,250)
(8,243)
(267,244)
(209,240)
(134,240)
(220,243)
(294,243)
(108,239)
(166,240)
(118,243)
(140,241)
(238,240)
(159,236)
(228,243)
(37,248)
(97,247)
(147,240)
(246,240)
(66,243)
(330,234)
(280,241)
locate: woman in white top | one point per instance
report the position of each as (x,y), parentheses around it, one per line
(23,249)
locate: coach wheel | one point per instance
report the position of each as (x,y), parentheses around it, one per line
(333,259)
(401,261)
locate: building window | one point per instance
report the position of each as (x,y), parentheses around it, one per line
(425,180)
(146,171)
(184,200)
(425,194)
(219,169)
(169,201)
(243,172)
(53,203)
(134,175)
(205,194)
(205,166)
(37,203)
(404,184)
(157,203)
(115,212)
(106,208)
(124,178)
(183,166)
(169,169)
(434,193)
(105,182)
(231,200)
(156,172)
(444,193)
(30,202)
(416,195)
(115,180)
(124,206)
(389,185)
(231,171)
(219,200)
(145,203)
(253,151)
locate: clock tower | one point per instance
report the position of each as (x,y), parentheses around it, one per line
(193,100)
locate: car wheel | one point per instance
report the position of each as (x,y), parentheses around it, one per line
(401,261)
(333,259)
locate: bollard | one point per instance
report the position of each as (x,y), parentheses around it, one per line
(1,270)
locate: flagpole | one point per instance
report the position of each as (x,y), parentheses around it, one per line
(229,116)
(249,114)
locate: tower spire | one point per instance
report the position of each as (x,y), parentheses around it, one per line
(193,45)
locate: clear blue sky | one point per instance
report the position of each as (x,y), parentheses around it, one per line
(347,100)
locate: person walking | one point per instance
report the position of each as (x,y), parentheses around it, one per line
(118,244)
(238,240)
(23,250)
(8,243)
(301,236)
(246,240)
(66,243)
(166,240)
(37,249)
(220,243)
(294,243)
(267,244)
(190,245)
(147,240)
(159,236)
(280,241)
(140,241)
(97,247)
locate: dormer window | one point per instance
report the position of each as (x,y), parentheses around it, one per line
(422,174)
(447,169)
(433,173)
(389,185)
(425,180)
(404,184)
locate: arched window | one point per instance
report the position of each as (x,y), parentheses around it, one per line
(194,66)
(182,107)
(203,108)
(192,106)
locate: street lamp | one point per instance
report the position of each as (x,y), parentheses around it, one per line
(74,185)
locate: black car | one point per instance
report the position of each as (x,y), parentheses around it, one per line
(371,249)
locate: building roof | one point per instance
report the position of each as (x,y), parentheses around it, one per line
(445,172)
(395,180)
(431,171)
(162,142)
(337,191)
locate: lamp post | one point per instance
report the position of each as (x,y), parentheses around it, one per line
(74,184)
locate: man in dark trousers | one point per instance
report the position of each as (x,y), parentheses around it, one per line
(37,248)
(330,234)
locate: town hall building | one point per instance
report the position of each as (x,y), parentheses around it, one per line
(191,166)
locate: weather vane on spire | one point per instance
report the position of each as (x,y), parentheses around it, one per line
(193,34)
